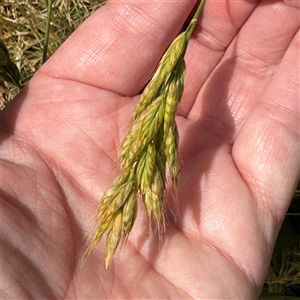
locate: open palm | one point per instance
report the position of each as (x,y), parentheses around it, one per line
(239,146)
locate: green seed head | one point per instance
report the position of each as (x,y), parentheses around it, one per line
(149,151)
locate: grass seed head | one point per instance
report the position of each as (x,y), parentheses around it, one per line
(165,68)
(129,213)
(171,151)
(113,237)
(142,132)
(148,151)
(145,167)
(153,199)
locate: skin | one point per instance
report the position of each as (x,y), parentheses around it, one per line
(239,146)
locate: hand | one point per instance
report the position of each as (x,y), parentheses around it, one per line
(239,147)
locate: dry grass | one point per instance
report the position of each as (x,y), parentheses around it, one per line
(23,26)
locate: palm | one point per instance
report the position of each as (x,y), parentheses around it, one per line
(60,152)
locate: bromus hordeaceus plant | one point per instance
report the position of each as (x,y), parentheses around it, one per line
(148,152)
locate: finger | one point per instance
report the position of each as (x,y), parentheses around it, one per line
(219,24)
(119,46)
(265,154)
(248,66)
(266,151)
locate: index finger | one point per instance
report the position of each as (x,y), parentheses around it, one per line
(119,46)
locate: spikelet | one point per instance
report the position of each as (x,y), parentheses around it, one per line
(149,150)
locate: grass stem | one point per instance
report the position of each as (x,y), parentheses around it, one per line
(191,27)
(47,32)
